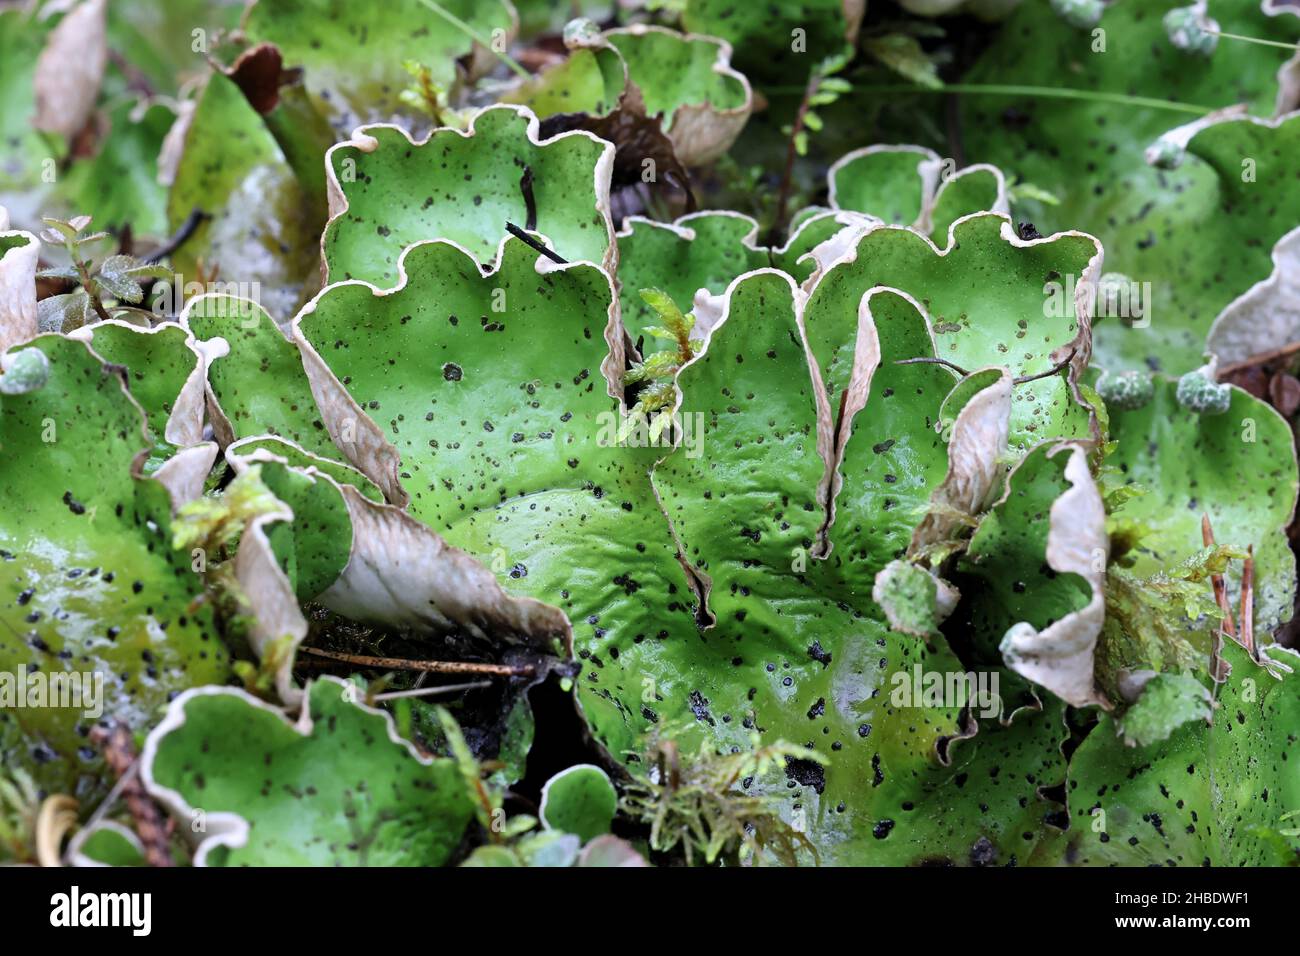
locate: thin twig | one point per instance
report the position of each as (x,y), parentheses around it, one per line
(1054,370)
(179,238)
(520,234)
(1225,609)
(1220,589)
(107,803)
(928,360)
(956,146)
(135,78)
(1002,89)
(433,667)
(934,360)
(1278,44)
(1262,358)
(431,691)
(478,38)
(787,175)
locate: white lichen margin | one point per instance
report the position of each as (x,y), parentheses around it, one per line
(931,181)
(1267,315)
(184,425)
(18,286)
(183,474)
(400,573)
(708,305)
(1060,656)
(976,444)
(211,350)
(224,828)
(700,581)
(701,133)
(363,141)
(356,435)
(75,854)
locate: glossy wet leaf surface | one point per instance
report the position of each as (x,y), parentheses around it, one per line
(465,189)
(888,576)
(91,584)
(353,54)
(990,300)
(543,481)
(1206,796)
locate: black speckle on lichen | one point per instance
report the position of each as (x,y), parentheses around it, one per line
(983,853)
(700,707)
(806,773)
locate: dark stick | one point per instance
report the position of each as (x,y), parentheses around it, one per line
(520,234)
(433,667)
(1058,367)
(787,175)
(952,113)
(526,187)
(934,361)
(1285,352)
(186,230)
